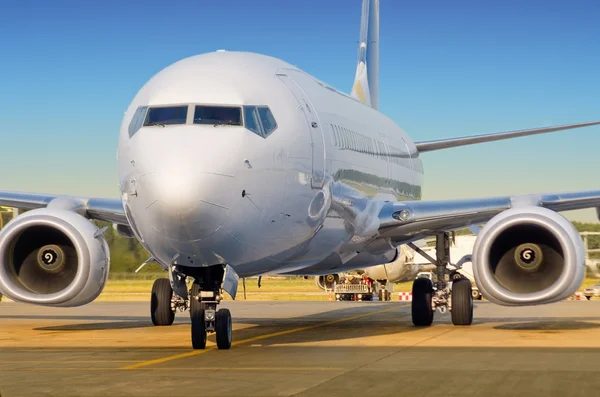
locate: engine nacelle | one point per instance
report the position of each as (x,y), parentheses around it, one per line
(528,256)
(327,281)
(399,269)
(53,257)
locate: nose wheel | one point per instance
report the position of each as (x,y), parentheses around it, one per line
(210,320)
(223,329)
(198,329)
(206,292)
(206,318)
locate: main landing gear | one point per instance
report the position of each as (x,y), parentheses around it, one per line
(201,300)
(442,295)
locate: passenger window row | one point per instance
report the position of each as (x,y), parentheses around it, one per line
(351,140)
(400,157)
(417,165)
(259,119)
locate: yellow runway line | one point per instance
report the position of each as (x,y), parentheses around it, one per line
(192,353)
(66,361)
(178,369)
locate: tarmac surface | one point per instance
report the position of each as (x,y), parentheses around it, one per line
(302,349)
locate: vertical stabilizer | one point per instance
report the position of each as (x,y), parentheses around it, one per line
(366,80)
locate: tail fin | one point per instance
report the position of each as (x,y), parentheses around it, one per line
(366,80)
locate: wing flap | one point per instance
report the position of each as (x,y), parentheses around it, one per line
(428,146)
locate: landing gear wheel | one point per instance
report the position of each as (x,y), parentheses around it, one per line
(475,294)
(160,302)
(462,302)
(195,306)
(456,276)
(422,312)
(384,295)
(223,328)
(198,329)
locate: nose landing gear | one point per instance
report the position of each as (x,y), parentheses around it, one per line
(206,318)
(202,300)
(206,293)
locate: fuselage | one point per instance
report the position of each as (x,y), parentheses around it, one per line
(302,199)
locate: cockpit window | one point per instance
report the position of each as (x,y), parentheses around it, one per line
(217,115)
(267,120)
(136,121)
(259,120)
(166,115)
(252,120)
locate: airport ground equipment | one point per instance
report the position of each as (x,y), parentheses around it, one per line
(351,288)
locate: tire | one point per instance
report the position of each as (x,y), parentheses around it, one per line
(160,302)
(422,312)
(195,306)
(462,302)
(223,329)
(198,330)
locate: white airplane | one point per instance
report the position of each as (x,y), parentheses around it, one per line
(234,164)
(402,268)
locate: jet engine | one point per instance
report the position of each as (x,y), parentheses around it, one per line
(400,269)
(528,256)
(52,257)
(327,280)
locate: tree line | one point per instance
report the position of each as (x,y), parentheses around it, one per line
(127,254)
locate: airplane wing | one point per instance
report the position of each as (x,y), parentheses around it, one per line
(428,146)
(405,221)
(103,209)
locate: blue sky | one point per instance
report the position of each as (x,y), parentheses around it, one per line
(68,70)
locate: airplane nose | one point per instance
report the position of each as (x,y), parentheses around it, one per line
(184,204)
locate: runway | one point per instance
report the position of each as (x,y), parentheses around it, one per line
(302,349)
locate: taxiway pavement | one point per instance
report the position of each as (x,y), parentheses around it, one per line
(302,349)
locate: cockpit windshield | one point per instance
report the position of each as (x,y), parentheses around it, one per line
(166,115)
(218,115)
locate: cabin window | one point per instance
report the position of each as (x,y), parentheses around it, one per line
(371,149)
(333,137)
(218,115)
(166,115)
